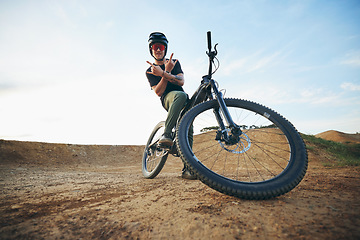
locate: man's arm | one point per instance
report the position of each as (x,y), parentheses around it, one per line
(159,89)
(175,79)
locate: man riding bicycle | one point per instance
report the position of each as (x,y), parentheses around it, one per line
(166,78)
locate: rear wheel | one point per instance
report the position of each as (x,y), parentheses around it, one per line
(154,157)
(268,160)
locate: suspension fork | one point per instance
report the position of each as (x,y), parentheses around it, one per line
(235,129)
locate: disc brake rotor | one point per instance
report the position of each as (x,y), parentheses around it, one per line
(242,146)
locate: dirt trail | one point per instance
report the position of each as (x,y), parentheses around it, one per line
(59,191)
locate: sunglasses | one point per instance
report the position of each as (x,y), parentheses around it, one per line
(157,46)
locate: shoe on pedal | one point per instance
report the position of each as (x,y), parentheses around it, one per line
(166,140)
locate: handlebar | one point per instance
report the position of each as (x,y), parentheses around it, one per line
(210,53)
(209,40)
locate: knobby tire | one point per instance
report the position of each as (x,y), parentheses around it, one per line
(270,160)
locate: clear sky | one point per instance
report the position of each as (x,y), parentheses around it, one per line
(74,71)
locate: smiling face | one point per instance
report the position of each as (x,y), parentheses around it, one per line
(158,51)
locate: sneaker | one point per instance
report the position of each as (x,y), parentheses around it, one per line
(166,140)
(186,174)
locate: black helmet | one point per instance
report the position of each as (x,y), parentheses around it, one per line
(157,37)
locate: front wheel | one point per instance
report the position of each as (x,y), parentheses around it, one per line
(269,159)
(154,157)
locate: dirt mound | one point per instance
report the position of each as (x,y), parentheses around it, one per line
(50,154)
(337,136)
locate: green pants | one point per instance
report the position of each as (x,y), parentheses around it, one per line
(174,102)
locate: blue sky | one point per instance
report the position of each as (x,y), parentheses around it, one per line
(73,71)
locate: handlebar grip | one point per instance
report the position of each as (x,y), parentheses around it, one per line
(209,40)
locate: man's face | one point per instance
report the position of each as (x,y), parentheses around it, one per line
(158,50)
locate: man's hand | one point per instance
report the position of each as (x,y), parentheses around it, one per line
(170,64)
(156,70)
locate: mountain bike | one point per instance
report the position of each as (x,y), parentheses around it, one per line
(237,147)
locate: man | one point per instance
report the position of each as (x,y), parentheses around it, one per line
(166,78)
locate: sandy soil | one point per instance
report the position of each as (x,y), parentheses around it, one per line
(59,191)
